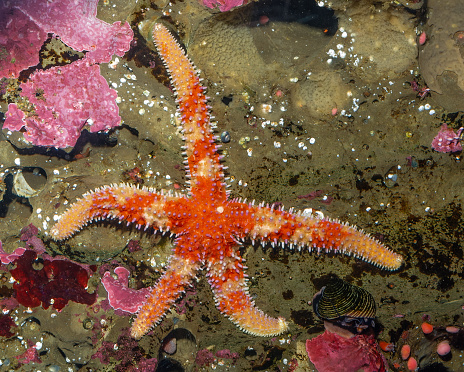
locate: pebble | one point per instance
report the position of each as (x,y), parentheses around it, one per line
(427,328)
(412,364)
(225,137)
(170,347)
(386,346)
(443,348)
(452,329)
(405,352)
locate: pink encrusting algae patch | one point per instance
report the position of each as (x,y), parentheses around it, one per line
(447,140)
(119,295)
(223,5)
(57,122)
(20,42)
(77,25)
(63,98)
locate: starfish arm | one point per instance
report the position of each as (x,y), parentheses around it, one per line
(168,288)
(311,231)
(141,206)
(203,161)
(230,290)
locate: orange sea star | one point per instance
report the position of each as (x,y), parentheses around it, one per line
(208,225)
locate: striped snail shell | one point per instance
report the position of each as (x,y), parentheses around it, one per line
(342,299)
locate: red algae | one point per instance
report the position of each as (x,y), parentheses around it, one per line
(56,283)
(5,325)
(330,352)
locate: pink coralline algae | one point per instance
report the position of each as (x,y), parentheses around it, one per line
(77,25)
(227,354)
(6,258)
(119,295)
(188,301)
(63,99)
(58,122)
(20,42)
(29,356)
(128,354)
(330,352)
(29,235)
(447,140)
(223,5)
(205,357)
(133,246)
(25,24)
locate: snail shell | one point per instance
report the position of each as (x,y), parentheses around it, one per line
(340,299)
(28,181)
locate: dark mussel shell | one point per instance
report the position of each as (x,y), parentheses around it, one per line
(340,299)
